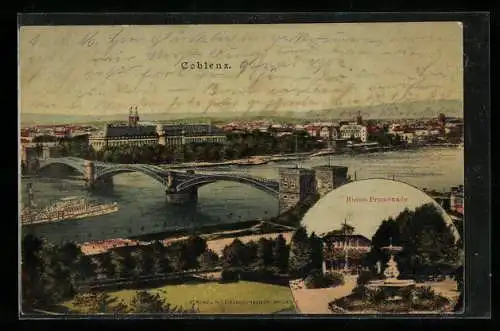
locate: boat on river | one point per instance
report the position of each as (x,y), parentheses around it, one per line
(324,152)
(69,208)
(251,161)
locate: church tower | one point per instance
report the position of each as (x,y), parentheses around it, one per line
(359,119)
(130,117)
(136,118)
(133,117)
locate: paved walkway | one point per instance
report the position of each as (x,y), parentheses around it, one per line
(315,301)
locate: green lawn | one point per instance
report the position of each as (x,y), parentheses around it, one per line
(214,298)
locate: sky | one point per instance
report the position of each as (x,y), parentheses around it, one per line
(103,70)
(352,203)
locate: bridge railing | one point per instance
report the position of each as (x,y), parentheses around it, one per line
(111,170)
(236,175)
(154,171)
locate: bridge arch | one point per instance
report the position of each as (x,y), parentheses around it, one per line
(201,180)
(349,201)
(62,161)
(128,168)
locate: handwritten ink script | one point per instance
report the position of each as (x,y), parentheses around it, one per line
(98,70)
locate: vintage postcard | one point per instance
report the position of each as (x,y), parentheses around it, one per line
(241,169)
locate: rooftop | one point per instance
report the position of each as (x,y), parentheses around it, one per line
(330,236)
(121,131)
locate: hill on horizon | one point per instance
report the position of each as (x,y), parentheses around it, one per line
(417,109)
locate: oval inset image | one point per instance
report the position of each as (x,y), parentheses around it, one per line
(365,204)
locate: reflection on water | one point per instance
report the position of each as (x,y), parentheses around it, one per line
(143,208)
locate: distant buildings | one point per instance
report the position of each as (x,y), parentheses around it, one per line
(323,131)
(173,135)
(355,131)
(55,131)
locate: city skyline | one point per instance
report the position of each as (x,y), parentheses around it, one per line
(101,71)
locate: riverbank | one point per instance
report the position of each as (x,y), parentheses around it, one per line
(277,158)
(219,231)
(216,240)
(205,230)
(250,161)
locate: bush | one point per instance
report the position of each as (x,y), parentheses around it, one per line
(334,279)
(316,279)
(228,275)
(425,293)
(376,296)
(364,277)
(360,292)
(407,294)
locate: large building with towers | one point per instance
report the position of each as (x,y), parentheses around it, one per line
(173,135)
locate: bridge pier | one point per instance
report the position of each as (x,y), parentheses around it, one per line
(103,184)
(295,184)
(181,198)
(91,183)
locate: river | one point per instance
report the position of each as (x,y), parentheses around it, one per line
(143,208)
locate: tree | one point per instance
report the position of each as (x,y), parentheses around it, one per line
(123,263)
(98,303)
(300,253)
(31,268)
(233,255)
(85,268)
(195,246)
(145,302)
(143,261)
(388,229)
(264,253)
(250,253)
(178,256)
(316,244)
(105,267)
(208,259)
(55,276)
(428,243)
(280,253)
(160,262)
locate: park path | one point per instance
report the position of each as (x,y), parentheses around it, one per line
(315,301)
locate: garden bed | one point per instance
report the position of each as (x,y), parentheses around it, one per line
(412,300)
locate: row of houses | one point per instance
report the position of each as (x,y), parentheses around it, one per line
(408,130)
(28,134)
